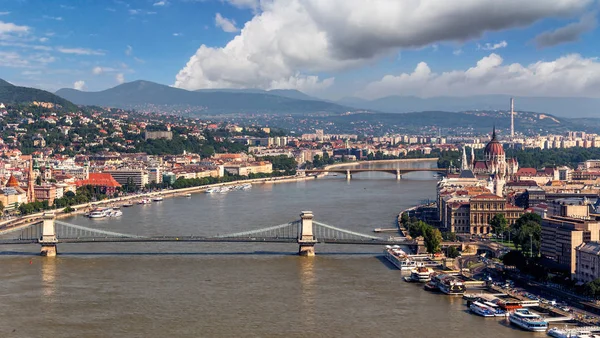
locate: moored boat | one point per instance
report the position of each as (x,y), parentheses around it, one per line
(399,258)
(482,310)
(528,320)
(188,195)
(127,205)
(98,213)
(449,285)
(144,201)
(157,198)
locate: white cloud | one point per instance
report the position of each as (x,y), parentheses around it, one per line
(457,52)
(57,18)
(43,39)
(4,13)
(79,51)
(570,75)
(120,78)
(134,11)
(7,28)
(161,3)
(79,85)
(101,70)
(138,60)
(177,34)
(66,7)
(13,60)
(128,50)
(225,24)
(253,4)
(489,46)
(293,39)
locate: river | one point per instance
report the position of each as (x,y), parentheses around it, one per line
(236,290)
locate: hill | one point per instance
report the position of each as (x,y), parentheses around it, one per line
(15,94)
(559,106)
(140,93)
(476,122)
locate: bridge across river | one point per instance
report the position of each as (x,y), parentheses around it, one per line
(306,232)
(397,172)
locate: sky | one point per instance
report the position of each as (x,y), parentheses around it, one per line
(325,48)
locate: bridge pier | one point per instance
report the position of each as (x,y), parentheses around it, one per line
(306,239)
(48,240)
(348,175)
(398,175)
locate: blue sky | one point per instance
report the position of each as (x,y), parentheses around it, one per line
(327,48)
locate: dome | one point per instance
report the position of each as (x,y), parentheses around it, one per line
(494,148)
(12,182)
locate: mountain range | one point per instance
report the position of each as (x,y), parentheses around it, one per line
(558,106)
(10,93)
(140,93)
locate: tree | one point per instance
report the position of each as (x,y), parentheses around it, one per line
(514,258)
(592,288)
(404,219)
(529,238)
(433,239)
(499,224)
(452,252)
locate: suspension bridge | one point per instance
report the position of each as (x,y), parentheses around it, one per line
(306,232)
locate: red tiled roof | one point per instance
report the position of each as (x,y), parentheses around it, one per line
(488,196)
(527,171)
(99,179)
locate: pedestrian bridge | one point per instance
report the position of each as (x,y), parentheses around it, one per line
(397,172)
(306,232)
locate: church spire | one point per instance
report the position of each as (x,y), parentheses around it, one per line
(494,133)
(30,179)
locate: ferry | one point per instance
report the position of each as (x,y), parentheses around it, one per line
(399,258)
(576,332)
(421,274)
(482,310)
(157,198)
(431,286)
(528,321)
(450,285)
(98,213)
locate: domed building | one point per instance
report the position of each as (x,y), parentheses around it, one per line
(495,165)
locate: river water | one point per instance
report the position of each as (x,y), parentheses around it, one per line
(236,290)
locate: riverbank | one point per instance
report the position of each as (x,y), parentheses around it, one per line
(168,193)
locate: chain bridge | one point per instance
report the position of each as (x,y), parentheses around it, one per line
(306,232)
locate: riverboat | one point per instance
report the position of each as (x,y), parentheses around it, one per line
(188,195)
(528,320)
(482,310)
(399,258)
(113,212)
(127,205)
(449,285)
(431,286)
(157,199)
(421,274)
(98,213)
(575,332)
(144,201)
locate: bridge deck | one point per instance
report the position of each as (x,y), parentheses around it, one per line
(184,239)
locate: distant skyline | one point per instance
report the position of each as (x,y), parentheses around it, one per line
(325,48)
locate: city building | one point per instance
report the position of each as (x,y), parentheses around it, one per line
(561,235)
(153,135)
(244,169)
(587,258)
(484,207)
(45,193)
(138,177)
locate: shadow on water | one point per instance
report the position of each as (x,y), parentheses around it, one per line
(386,262)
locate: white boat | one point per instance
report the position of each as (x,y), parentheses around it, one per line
(399,258)
(421,274)
(144,201)
(114,213)
(157,199)
(575,332)
(212,190)
(188,195)
(98,213)
(528,320)
(450,285)
(482,310)
(127,205)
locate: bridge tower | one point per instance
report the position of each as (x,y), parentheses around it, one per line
(398,175)
(48,240)
(306,239)
(348,175)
